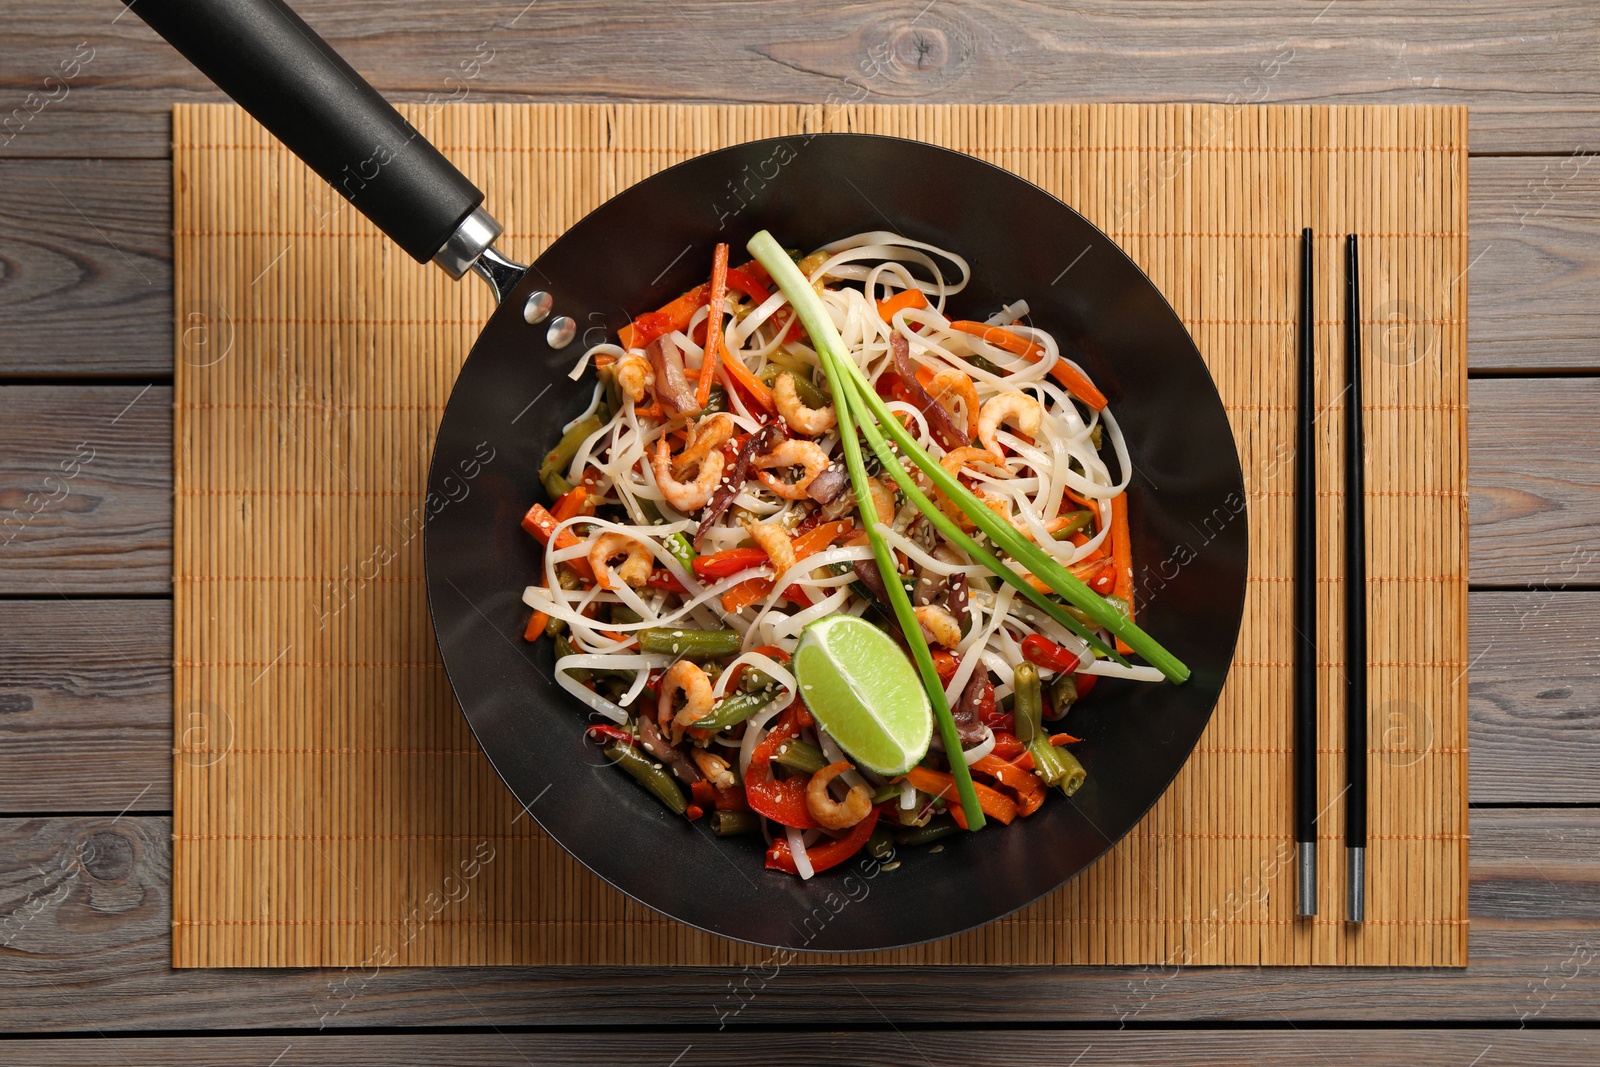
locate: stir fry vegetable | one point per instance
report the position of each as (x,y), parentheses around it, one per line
(802,438)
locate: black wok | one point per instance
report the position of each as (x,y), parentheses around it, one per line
(633,254)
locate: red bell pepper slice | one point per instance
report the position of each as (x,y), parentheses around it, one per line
(728,563)
(781,801)
(780,857)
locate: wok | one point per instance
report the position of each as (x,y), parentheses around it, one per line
(634,253)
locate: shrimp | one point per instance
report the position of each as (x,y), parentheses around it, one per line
(635,570)
(690,678)
(807,455)
(1021,410)
(708,436)
(953,462)
(714,767)
(774,542)
(938,625)
(686,496)
(951,385)
(809,421)
(882,498)
(832,814)
(635,376)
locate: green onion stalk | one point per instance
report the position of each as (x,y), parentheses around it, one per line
(830,349)
(851,385)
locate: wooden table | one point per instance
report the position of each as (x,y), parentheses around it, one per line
(86,349)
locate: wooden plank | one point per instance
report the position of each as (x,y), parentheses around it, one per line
(88,941)
(1308,1046)
(90,283)
(86,705)
(1535,224)
(85,702)
(1526,70)
(1534,452)
(1534,697)
(85,489)
(88,249)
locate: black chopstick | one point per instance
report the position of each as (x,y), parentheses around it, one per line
(1355,596)
(1305,594)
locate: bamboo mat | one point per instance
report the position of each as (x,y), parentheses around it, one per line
(332,807)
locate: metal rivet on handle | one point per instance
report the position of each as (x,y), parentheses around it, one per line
(562,330)
(537,309)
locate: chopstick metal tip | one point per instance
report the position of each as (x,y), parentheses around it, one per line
(1307,861)
(1356,869)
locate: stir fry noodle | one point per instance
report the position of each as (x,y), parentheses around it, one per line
(703,517)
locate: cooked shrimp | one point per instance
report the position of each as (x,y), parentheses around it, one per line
(708,435)
(954,462)
(949,386)
(774,542)
(635,376)
(690,679)
(686,496)
(635,570)
(714,767)
(807,455)
(832,814)
(809,421)
(882,498)
(1019,409)
(939,627)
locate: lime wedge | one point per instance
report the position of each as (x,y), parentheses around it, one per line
(865,692)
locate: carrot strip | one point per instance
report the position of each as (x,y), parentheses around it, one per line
(1122,557)
(536,626)
(745,593)
(713,349)
(541,524)
(906,298)
(1071,379)
(1029,789)
(738,372)
(995,804)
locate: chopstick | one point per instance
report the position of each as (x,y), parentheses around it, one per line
(1305,595)
(1355,597)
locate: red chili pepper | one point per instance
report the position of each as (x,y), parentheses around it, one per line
(728,563)
(649,326)
(946,664)
(693,812)
(1043,652)
(780,857)
(731,798)
(1084,682)
(703,793)
(782,801)
(1006,745)
(601,733)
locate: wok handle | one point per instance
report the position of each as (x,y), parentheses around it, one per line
(277,68)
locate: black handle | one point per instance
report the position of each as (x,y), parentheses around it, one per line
(276,67)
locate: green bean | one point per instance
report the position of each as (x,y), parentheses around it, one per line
(690,644)
(1063,694)
(1027,708)
(734,823)
(885,794)
(550,471)
(621,613)
(680,549)
(940,826)
(755,679)
(880,846)
(647,508)
(563,650)
(717,402)
(1094,436)
(555,626)
(1056,766)
(801,756)
(984,365)
(736,709)
(1076,520)
(648,773)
